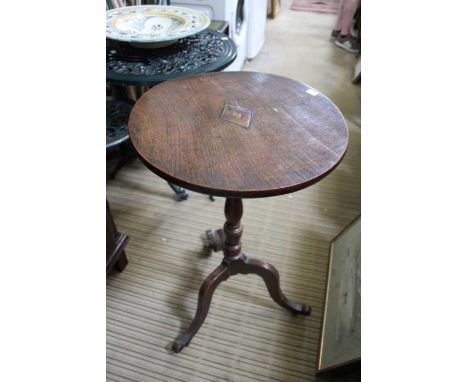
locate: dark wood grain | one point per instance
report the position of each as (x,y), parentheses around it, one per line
(296,135)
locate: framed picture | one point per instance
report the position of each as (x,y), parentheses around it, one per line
(340,342)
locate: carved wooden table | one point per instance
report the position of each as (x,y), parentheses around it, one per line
(237,135)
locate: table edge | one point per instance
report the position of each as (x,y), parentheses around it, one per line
(244,194)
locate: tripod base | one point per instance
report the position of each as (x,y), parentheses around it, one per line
(234,262)
(231,267)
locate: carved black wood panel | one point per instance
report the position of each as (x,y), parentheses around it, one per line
(207,51)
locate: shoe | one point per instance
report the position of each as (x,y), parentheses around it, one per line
(334,34)
(348,43)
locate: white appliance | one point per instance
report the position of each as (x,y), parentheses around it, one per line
(235,12)
(257,10)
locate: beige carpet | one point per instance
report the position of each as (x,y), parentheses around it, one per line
(246,336)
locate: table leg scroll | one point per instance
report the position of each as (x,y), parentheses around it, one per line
(181,193)
(271,277)
(204,300)
(215,239)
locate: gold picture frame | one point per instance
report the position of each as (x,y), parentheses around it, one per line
(340,339)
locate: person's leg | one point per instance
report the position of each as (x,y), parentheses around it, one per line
(344,39)
(345,19)
(340,15)
(336,31)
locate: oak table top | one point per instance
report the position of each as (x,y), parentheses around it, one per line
(238,134)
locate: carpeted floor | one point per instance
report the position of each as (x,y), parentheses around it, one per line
(246,336)
(321,6)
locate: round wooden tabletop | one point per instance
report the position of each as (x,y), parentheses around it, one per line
(238,134)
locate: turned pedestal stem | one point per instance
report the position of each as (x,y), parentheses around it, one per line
(233,211)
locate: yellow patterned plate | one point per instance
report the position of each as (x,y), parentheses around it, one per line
(152,26)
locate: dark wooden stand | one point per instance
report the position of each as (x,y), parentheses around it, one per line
(115,245)
(234,262)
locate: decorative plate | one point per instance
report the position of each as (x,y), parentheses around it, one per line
(151,26)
